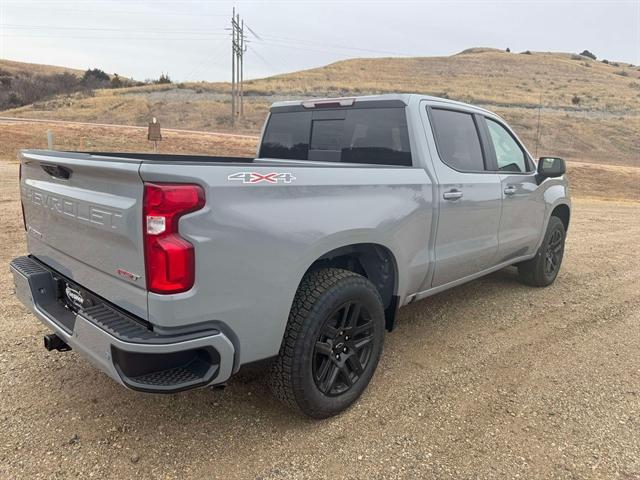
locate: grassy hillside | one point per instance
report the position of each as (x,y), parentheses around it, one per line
(16,68)
(591,110)
(486,76)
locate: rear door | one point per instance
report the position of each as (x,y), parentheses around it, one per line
(523,208)
(84,219)
(469,197)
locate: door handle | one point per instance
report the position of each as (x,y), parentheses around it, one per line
(57,171)
(510,190)
(452,195)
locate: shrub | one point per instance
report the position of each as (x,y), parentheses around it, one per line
(116,81)
(164,78)
(605,61)
(576,57)
(575,100)
(526,52)
(587,53)
(14,100)
(95,78)
(622,73)
(508,50)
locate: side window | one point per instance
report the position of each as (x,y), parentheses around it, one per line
(376,135)
(457,140)
(509,155)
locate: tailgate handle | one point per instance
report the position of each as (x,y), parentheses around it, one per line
(57,171)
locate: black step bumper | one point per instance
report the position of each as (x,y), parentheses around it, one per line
(123,347)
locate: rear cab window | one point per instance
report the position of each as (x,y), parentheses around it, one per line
(348,135)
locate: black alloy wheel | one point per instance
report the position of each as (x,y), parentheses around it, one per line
(553,254)
(343,349)
(543,269)
(331,345)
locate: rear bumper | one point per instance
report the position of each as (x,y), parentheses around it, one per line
(126,350)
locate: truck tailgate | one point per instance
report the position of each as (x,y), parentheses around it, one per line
(84,219)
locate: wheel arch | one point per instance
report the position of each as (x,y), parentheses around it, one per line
(373,261)
(563,212)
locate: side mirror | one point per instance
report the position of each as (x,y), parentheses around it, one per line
(551,167)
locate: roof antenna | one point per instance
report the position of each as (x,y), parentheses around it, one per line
(538,128)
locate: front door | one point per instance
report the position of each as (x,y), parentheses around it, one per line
(470,197)
(523,207)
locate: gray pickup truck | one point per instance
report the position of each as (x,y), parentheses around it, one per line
(170,272)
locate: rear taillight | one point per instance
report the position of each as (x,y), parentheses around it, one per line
(169,258)
(24,220)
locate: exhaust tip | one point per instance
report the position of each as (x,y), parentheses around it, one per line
(54,342)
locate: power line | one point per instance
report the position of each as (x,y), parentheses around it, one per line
(205,63)
(298,42)
(109,37)
(121,12)
(105,29)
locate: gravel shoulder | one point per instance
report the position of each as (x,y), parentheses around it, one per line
(492,379)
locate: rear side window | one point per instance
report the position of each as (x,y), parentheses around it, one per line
(457,140)
(509,155)
(365,135)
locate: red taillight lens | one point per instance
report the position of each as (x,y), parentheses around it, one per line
(169,258)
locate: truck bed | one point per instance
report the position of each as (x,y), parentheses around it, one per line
(168,157)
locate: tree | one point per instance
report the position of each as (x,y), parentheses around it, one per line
(164,78)
(588,54)
(508,50)
(95,78)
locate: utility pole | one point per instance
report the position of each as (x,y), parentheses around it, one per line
(242,50)
(238,47)
(233,67)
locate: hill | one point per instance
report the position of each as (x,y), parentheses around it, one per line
(16,68)
(25,83)
(590,109)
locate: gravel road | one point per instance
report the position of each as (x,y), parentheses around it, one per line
(492,379)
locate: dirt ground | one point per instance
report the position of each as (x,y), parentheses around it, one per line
(492,379)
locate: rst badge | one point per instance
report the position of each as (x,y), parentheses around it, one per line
(254,177)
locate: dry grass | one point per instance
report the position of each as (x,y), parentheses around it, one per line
(483,76)
(603,128)
(35,68)
(584,136)
(587,180)
(15,136)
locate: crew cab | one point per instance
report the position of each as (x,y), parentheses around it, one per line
(170,272)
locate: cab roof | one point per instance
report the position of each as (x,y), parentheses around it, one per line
(366,101)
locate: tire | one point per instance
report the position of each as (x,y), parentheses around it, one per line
(543,269)
(331,345)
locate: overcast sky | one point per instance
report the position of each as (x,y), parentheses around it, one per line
(187,39)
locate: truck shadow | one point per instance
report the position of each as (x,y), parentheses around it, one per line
(246,407)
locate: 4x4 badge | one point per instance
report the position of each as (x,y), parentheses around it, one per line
(254,177)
